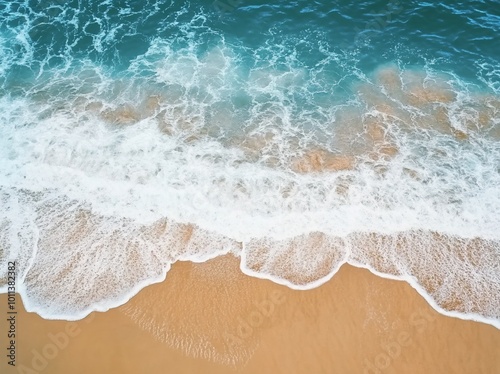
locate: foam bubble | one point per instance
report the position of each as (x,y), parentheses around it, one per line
(115,179)
(18,237)
(88,262)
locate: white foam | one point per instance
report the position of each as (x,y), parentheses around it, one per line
(18,236)
(60,161)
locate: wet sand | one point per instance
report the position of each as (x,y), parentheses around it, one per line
(211,318)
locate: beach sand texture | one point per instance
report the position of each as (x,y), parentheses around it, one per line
(211,318)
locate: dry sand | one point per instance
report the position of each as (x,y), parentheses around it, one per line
(211,318)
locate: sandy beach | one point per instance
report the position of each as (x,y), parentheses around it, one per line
(211,318)
(231,187)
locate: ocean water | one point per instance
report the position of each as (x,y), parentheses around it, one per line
(296,135)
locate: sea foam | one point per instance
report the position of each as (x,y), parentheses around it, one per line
(99,199)
(192,149)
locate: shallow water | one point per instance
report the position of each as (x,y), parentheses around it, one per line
(297,136)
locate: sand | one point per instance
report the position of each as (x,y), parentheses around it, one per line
(211,318)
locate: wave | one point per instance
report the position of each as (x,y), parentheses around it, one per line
(125,148)
(106,182)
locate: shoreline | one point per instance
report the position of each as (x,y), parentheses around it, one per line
(211,317)
(112,304)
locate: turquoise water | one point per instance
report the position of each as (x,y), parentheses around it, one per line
(460,38)
(297,135)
